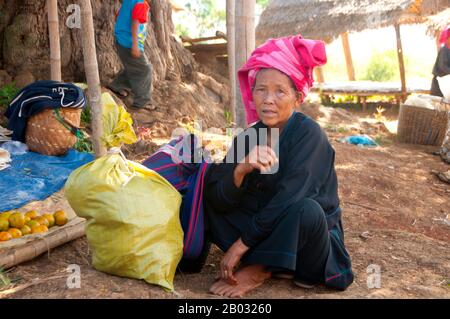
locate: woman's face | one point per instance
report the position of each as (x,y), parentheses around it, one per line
(275,97)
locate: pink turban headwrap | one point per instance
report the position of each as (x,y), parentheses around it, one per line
(294,56)
(445,34)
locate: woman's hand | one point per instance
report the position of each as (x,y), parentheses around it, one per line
(261,157)
(230,261)
(135,52)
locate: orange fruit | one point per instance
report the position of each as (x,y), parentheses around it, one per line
(39,229)
(42,220)
(15,233)
(5,215)
(27,219)
(26,230)
(32,223)
(4,236)
(16,220)
(4,224)
(60,218)
(32,214)
(50,218)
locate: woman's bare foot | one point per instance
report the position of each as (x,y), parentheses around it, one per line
(249,277)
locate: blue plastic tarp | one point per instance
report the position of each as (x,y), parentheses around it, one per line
(360,140)
(34,176)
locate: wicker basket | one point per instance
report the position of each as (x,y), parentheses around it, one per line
(418,125)
(47,136)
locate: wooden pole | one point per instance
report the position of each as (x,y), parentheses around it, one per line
(245,44)
(348,56)
(92,76)
(55,47)
(401,62)
(438,45)
(231,48)
(318,71)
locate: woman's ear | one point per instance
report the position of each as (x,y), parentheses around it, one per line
(298,98)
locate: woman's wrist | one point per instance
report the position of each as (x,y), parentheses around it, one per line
(244,169)
(239,173)
(240,247)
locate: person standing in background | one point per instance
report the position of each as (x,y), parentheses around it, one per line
(131,32)
(442,65)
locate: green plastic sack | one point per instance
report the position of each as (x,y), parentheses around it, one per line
(133,225)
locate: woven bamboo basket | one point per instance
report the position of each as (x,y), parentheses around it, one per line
(47,136)
(419,125)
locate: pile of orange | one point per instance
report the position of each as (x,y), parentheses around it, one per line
(14,224)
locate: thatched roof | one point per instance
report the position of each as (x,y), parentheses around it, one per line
(176,6)
(326,19)
(438,22)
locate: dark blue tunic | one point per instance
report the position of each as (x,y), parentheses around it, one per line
(441,68)
(290,219)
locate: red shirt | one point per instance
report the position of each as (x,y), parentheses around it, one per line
(140,12)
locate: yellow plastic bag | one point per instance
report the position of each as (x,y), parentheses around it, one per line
(117,124)
(133,225)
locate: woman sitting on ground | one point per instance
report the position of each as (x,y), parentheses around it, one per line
(277,215)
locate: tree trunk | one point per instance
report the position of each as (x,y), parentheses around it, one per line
(180,91)
(245,44)
(24,41)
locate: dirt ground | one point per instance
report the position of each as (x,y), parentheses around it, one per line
(396,216)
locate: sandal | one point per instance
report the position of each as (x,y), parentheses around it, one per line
(149,107)
(122,93)
(303,284)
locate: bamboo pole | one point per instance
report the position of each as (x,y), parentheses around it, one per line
(231,49)
(348,56)
(55,47)
(92,76)
(401,61)
(318,71)
(29,247)
(245,44)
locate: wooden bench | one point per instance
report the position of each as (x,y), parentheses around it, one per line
(364,89)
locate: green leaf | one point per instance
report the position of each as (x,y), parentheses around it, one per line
(7,93)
